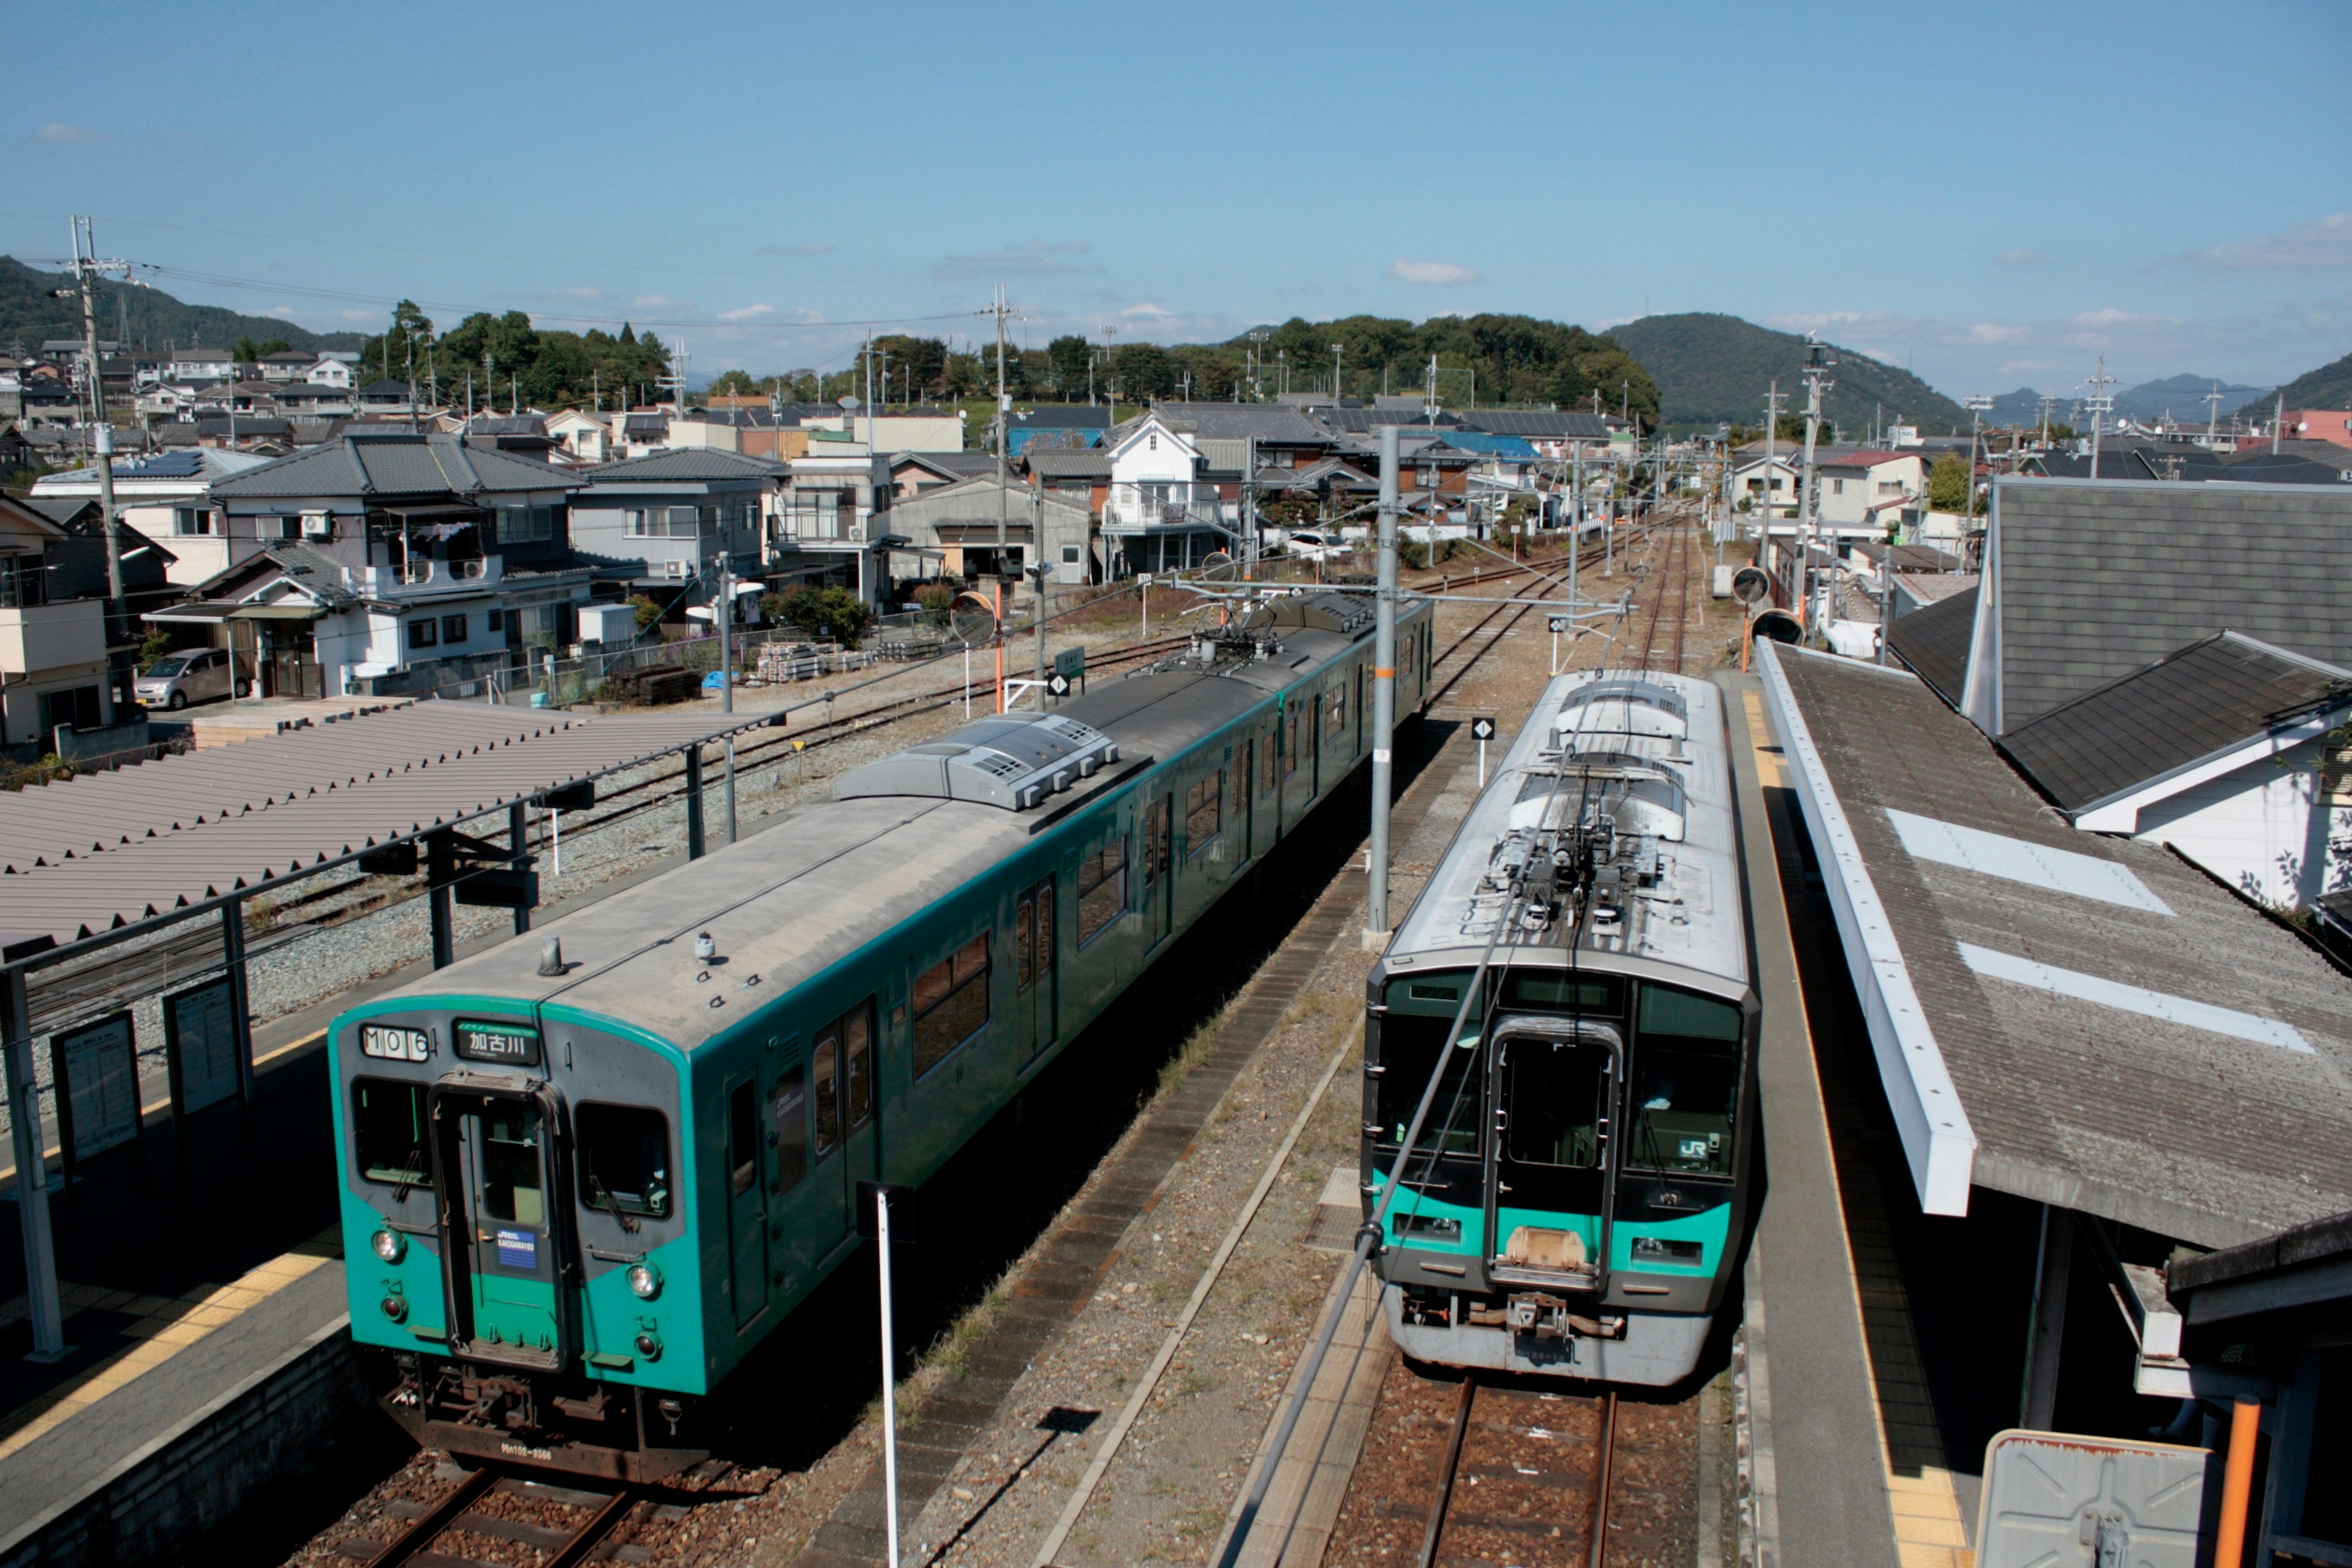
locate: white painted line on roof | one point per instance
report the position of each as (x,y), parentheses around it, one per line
(1938,1141)
(2135,999)
(2021,860)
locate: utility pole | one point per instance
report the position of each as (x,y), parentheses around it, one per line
(1817,366)
(2048,403)
(2212,402)
(1335,374)
(1976,406)
(1384,609)
(87,266)
(1772,466)
(1429,399)
(2278,418)
(998,309)
(2098,403)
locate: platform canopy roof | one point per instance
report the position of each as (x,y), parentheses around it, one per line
(2087,1021)
(94,855)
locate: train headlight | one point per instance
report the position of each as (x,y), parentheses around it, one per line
(389,1245)
(644,1281)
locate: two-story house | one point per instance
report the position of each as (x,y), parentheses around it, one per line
(167,496)
(1161,511)
(287,364)
(581,438)
(53,642)
(1866,493)
(200,364)
(836,516)
(388,560)
(671,519)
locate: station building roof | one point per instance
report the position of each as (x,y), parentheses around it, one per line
(2084,1021)
(96,854)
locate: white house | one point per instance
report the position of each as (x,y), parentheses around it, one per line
(332,370)
(200,364)
(1161,513)
(1753,475)
(1868,490)
(580,436)
(169,497)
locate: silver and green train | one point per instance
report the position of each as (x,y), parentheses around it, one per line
(579,1185)
(1582,1192)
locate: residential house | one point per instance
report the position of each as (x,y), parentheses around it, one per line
(526,434)
(2138,653)
(53,643)
(1161,511)
(352,542)
(287,365)
(1051,424)
(169,401)
(2330,424)
(911,473)
(672,518)
(385,398)
(167,496)
(1079,475)
(642,433)
(959,526)
(200,364)
(245,432)
(836,516)
(44,397)
(1769,486)
(332,370)
(581,437)
(1553,433)
(316,400)
(1867,493)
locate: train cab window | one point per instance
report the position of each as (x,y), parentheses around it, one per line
(742,1141)
(623,1160)
(1102,889)
(788,1112)
(1685,1097)
(1409,1048)
(1203,813)
(1555,1092)
(950,1003)
(388,1137)
(509,1164)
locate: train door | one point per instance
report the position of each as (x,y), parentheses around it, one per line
(840,1125)
(1315,748)
(859,1048)
(1247,804)
(496,1167)
(1158,886)
(1036,965)
(1554,1089)
(747,1206)
(810,1217)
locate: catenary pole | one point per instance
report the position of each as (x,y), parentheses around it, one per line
(1384,656)
(102,439)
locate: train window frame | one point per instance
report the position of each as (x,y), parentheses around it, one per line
(962,976)
(1204,813)
(1033,935)
(743,1138)
(1158,827)
(788,1119)
(1721,1055)
(1335,711)
(847,1042)
(826,1097)
(1106,868)
(422,1175)
(1269,768)
(1289,742)
(644,1205)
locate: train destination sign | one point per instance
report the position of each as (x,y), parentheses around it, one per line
(504,1045)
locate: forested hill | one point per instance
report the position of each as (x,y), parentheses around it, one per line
(1714,369)
(30,314)
(2329,386)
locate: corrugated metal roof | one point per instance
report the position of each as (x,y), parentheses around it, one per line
(109,850)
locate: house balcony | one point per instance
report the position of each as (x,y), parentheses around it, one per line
(1134,508)
(52,637)
(825,527)
(424,575)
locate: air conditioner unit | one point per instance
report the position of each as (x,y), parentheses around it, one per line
(317,525)
(675,569)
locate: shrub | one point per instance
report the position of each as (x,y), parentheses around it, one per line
(835,612)
(938,601)
(648,612)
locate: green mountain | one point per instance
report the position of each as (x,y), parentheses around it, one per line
(1714,369)
(2329,386)
(30,314)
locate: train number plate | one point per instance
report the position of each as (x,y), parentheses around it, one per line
(394,1045)
(503,1044)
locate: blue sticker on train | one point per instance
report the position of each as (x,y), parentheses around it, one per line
(519,1250)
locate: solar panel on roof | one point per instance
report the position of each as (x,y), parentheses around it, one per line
(166,466)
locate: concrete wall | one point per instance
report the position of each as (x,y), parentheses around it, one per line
(155,1501)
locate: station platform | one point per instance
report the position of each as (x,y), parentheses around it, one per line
(1846,1465)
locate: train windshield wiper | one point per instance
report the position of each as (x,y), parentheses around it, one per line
(610,1204)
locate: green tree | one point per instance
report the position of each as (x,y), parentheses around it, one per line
(735,383)
(1070,356)
(914,365)
(835,612)
(1947,483)
(1143,370)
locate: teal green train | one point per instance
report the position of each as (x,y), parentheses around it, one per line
(1576,974)
(583,1175)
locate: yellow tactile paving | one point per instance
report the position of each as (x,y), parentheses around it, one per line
(1928,1529)
(164,1327)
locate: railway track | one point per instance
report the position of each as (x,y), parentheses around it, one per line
(1669,608)
(560,1526)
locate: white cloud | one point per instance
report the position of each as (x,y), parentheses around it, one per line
(2110,317)
(747,314)
(654,303)
(810,247)
(58,133)
(1994,333)
(2021,257)
(2325,242)
(1433,274)
(583,292)
(1148,312)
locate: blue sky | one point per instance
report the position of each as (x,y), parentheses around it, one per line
(1994,193)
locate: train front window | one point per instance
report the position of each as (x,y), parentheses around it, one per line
(1409,1048)
(625,1160)
(1554,1101)
(388,1132)
(509,1155)
(1686,1099)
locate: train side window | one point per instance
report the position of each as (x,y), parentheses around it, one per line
(1203,813)
(857,1041)
(1270,756)
(1335,713)
(624,1159)
(1290,742)
(1033,934)
(388,1136)
(1155,822)
(1686,1099)
(788,1112)
(1102,889)
(950,1003)
(824,1066)
(742,1140)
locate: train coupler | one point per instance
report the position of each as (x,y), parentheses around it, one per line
(1547,1318)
